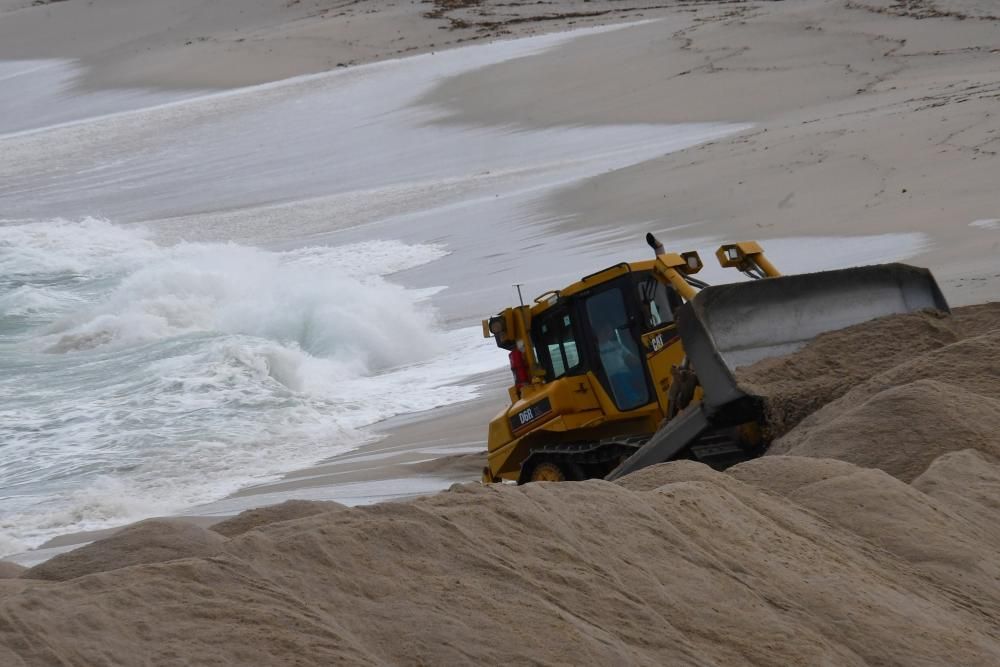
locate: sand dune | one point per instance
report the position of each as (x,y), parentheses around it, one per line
(150,541)
(799,384)
(892,394)
(700,568)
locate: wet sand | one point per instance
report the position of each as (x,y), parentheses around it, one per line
(441,447)
(867,118)
(197,44)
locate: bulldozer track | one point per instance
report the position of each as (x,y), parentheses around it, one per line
(600,453)
(717,448)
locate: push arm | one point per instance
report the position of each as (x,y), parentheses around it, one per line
(671,267)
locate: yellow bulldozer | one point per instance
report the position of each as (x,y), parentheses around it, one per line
(635,364)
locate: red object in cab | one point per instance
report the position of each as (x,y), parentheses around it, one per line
(519,367)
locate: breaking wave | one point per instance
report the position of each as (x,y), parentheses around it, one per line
(140,379)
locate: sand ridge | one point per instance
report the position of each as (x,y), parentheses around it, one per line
(894,394)
(149,541)
(699,568)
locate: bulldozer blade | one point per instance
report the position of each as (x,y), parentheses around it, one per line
(726,327)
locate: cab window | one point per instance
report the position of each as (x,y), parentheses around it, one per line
(556,337)
(617,349)
(657,302)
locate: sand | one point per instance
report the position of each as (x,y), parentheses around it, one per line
(798,385)
(836,362)
(865,122)
(264,516)
(893,394)
(690,567)
(932,534)
(150,541)
(10,570)
(192,44)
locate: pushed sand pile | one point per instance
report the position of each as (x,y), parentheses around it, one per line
(781,560)
(835,362)
(893,394)
(967,481)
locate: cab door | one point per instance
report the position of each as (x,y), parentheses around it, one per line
(662,346)
(619,358)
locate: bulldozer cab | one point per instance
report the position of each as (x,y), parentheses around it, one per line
(590,362)
(605,330)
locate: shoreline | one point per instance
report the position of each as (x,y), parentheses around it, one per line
(436,448)
(443,444)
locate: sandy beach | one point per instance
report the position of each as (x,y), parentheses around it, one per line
(834,132)
(196,44)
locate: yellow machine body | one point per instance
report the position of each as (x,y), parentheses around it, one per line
(558,409)
(635,364)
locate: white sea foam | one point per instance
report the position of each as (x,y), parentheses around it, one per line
(987,223)
(40,93)
(148,378)
(62,246)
